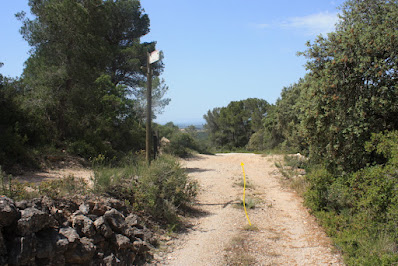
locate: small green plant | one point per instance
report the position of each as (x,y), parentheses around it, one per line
(278,165)
(249,184)
(98,162)
(251,227)
(249,202)
(296,161)
(292,172)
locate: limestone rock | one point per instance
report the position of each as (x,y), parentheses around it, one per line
(115,220)
(132,220)
(70,234)
(141,246)
(45,244)
(98,209)
(23,204)
(83,225)
(122,242)
(33,220)
(8,212)
(84,208)
(22,251)
(111,260)
(103,227)
(82,253)
(139,233)
(70,231)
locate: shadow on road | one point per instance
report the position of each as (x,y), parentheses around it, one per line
(196,170)
(216,204)
(195,212)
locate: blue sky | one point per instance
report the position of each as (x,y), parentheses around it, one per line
(216,51)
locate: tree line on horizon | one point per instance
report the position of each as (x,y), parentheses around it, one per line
(82,89)
(342,115)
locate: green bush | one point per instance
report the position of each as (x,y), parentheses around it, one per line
(163,188)
(316,196)
(82,148)
(160,189)
(181,145)
(360,210)
(256,141)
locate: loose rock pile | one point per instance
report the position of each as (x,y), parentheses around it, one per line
(88,231)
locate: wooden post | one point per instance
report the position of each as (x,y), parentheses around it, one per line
(148,112)
(155,145)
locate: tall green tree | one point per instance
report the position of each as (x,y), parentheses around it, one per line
(12,123)
(233,125)
(159,102)
(352,84)
(282,125)
(86,62)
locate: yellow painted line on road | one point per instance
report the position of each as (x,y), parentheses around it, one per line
(244,189)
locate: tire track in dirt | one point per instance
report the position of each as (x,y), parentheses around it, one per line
(286,234)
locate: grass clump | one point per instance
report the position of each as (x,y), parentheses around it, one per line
(249,184)
(293,168)
(250,203)
(237,252)
(69,185)
(160,190)
(57,188)
(251,227)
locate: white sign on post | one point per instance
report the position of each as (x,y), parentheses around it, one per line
(154,57)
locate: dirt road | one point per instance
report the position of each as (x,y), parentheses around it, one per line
(283,232)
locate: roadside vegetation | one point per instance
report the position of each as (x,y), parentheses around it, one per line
(340,124)
(160,191)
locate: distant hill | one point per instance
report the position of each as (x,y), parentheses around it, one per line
(185,125)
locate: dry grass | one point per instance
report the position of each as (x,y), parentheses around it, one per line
(237,252)
(272,253)
(251,227)
(294,177)
(276,235)
(249,184)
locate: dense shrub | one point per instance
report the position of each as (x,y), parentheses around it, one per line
(164,187)
(256,141)
(160,189)
(360,210)
(181,145)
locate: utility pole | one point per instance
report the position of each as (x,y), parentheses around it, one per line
(151,58)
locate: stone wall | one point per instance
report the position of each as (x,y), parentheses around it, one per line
(85,231)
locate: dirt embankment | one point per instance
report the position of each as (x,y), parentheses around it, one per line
(56,168)
(283,232)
